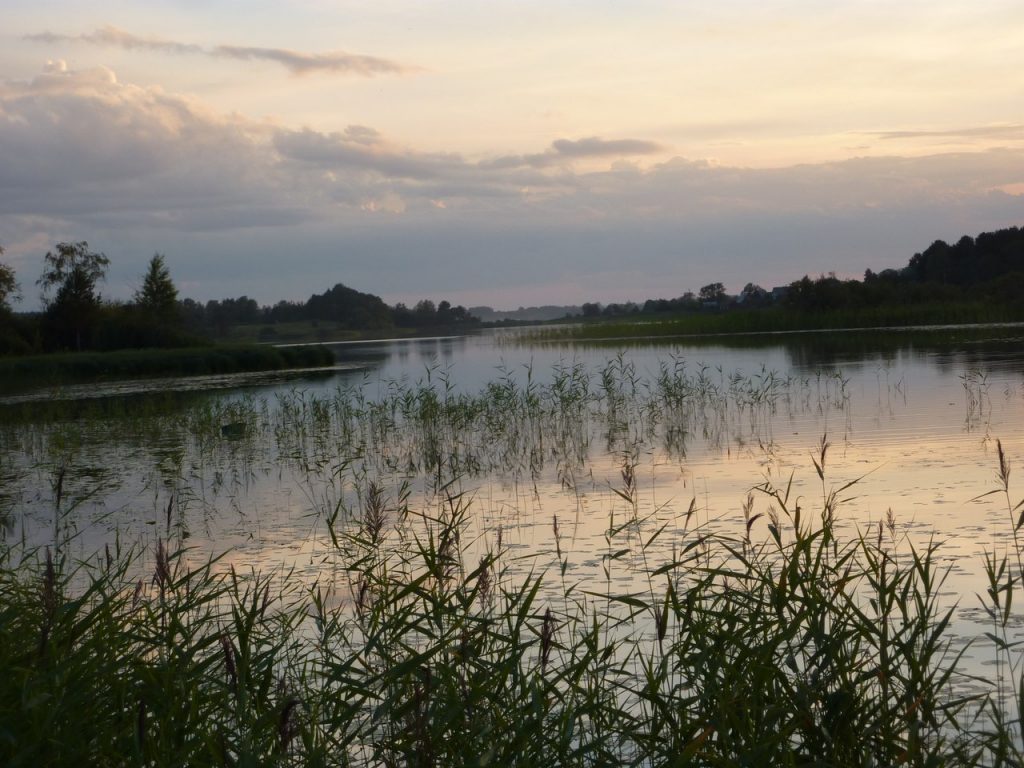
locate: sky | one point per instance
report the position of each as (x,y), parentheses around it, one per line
(504,153)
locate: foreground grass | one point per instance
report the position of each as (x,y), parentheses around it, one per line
(62,368)
(798,649)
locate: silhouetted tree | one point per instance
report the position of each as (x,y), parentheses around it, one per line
(348,308)
(72,270)
(8,285)
(193,314)
(14,334)
(754,295)
(287,311)
(221,315)
(158,297)
(712,292)
(444,312)
(971,261)
(615,310)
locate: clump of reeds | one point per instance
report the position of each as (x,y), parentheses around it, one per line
(104,669)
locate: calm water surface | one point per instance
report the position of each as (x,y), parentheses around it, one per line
(252,465)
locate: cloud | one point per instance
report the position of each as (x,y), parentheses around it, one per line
(562,151)
(351,151)
(359,162)
(362,134)
(304,63)
(233,200)
(597,147)
(296,62)
(81,143)
(113,37)
(1008,131)
(81,146)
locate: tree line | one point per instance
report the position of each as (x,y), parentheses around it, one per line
(988,268)
(75,316)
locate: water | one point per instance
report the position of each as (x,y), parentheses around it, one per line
(253,465)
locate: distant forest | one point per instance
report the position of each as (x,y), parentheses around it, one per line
(987,269)
(341,307)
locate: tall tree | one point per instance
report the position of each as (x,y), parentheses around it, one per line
(71,271)
(753,295)
(158,297)
(8,285)
(712,292)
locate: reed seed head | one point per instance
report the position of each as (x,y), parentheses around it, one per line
(485,581)
(547,634)
(49,587)
(162,572)
(287,723)
(374,514)
(229,661)
(1004,466)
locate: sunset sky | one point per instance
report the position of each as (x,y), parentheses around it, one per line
(504,153)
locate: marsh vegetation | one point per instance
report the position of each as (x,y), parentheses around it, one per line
(546,568)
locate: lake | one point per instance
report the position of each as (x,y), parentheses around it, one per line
(565,455)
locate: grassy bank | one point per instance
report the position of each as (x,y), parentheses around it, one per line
(62,368)
(783,645)
(778,319)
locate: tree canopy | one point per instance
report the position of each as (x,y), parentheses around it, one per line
(72,271)
(349,307)
(712,292)
(12,337)
(8,285)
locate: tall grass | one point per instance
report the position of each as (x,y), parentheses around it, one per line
(782,644)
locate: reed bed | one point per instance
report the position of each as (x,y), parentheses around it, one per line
(784,644)
(516,428)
